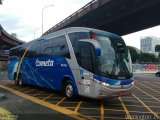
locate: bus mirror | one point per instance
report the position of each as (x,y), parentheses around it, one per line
(95,44)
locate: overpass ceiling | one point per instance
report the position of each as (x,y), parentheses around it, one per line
(7,41)
(119,16)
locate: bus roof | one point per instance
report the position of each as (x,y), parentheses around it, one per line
(70,30)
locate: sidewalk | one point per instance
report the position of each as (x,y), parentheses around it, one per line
(143,72)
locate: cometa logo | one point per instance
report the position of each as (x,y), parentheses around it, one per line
(44,63)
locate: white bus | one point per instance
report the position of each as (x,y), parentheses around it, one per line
(77,60)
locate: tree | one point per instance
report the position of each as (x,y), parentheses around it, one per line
(157,48)
(149,57)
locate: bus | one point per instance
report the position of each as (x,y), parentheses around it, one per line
(77,61)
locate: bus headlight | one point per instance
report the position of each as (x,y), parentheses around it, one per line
(104,84)
(132,83)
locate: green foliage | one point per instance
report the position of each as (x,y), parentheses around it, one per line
(157,48)
(149,57)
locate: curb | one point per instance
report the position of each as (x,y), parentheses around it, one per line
(2,96)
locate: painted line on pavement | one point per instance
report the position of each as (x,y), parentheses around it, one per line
(125,109)
(157,117)
(148,94)
(6,115)
(148,87)
(102,110)
(151,84)
(78,106)
(48,105)
(61,100)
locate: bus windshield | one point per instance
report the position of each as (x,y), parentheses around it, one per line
(114,61)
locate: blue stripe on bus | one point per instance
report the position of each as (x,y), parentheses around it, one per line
(46,75)
(113,81)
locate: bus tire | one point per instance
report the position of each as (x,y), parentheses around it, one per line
(15,79)
(19,81)
(69,90)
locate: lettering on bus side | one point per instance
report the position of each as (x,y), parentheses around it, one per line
(44,63)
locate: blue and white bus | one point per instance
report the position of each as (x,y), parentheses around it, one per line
(77,60)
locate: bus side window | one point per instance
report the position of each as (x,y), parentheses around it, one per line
(60,47)
(75,37)
(48,51)
(46,47)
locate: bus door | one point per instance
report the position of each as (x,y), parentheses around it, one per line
(86,60)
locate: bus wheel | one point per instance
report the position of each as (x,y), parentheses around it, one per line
(19,81)
(68,90)
(15,79)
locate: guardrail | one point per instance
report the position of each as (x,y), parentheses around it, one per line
(81,12)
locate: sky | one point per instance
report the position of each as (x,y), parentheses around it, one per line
(24,17)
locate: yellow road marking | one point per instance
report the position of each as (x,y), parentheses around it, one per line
(151,84)
(114,110)
(29,91)
(143,101)
(6,115)
(116,118)
(148,87)
(146,106)
(102,110)
(70,102)
(48,97)
(61,100)
(125,108)
(77,107)
(130,101)
(148,94)
(97,109)
(89,108)
(38,93)
(49,105)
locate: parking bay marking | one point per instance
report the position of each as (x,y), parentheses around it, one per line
(61,100)
(48,97)
(34,95)
(6,115)
(151,84)
(78,106)
(148,94)
(146,106)
(49,105)
(28,91)
(148,87)
(113,104)
(102,110)
(125,108)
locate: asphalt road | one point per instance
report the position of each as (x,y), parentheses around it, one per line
(146,77)
(24,109)
(30,102)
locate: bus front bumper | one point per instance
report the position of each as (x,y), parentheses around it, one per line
(102,91)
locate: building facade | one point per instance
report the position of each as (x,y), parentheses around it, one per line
(147,44)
